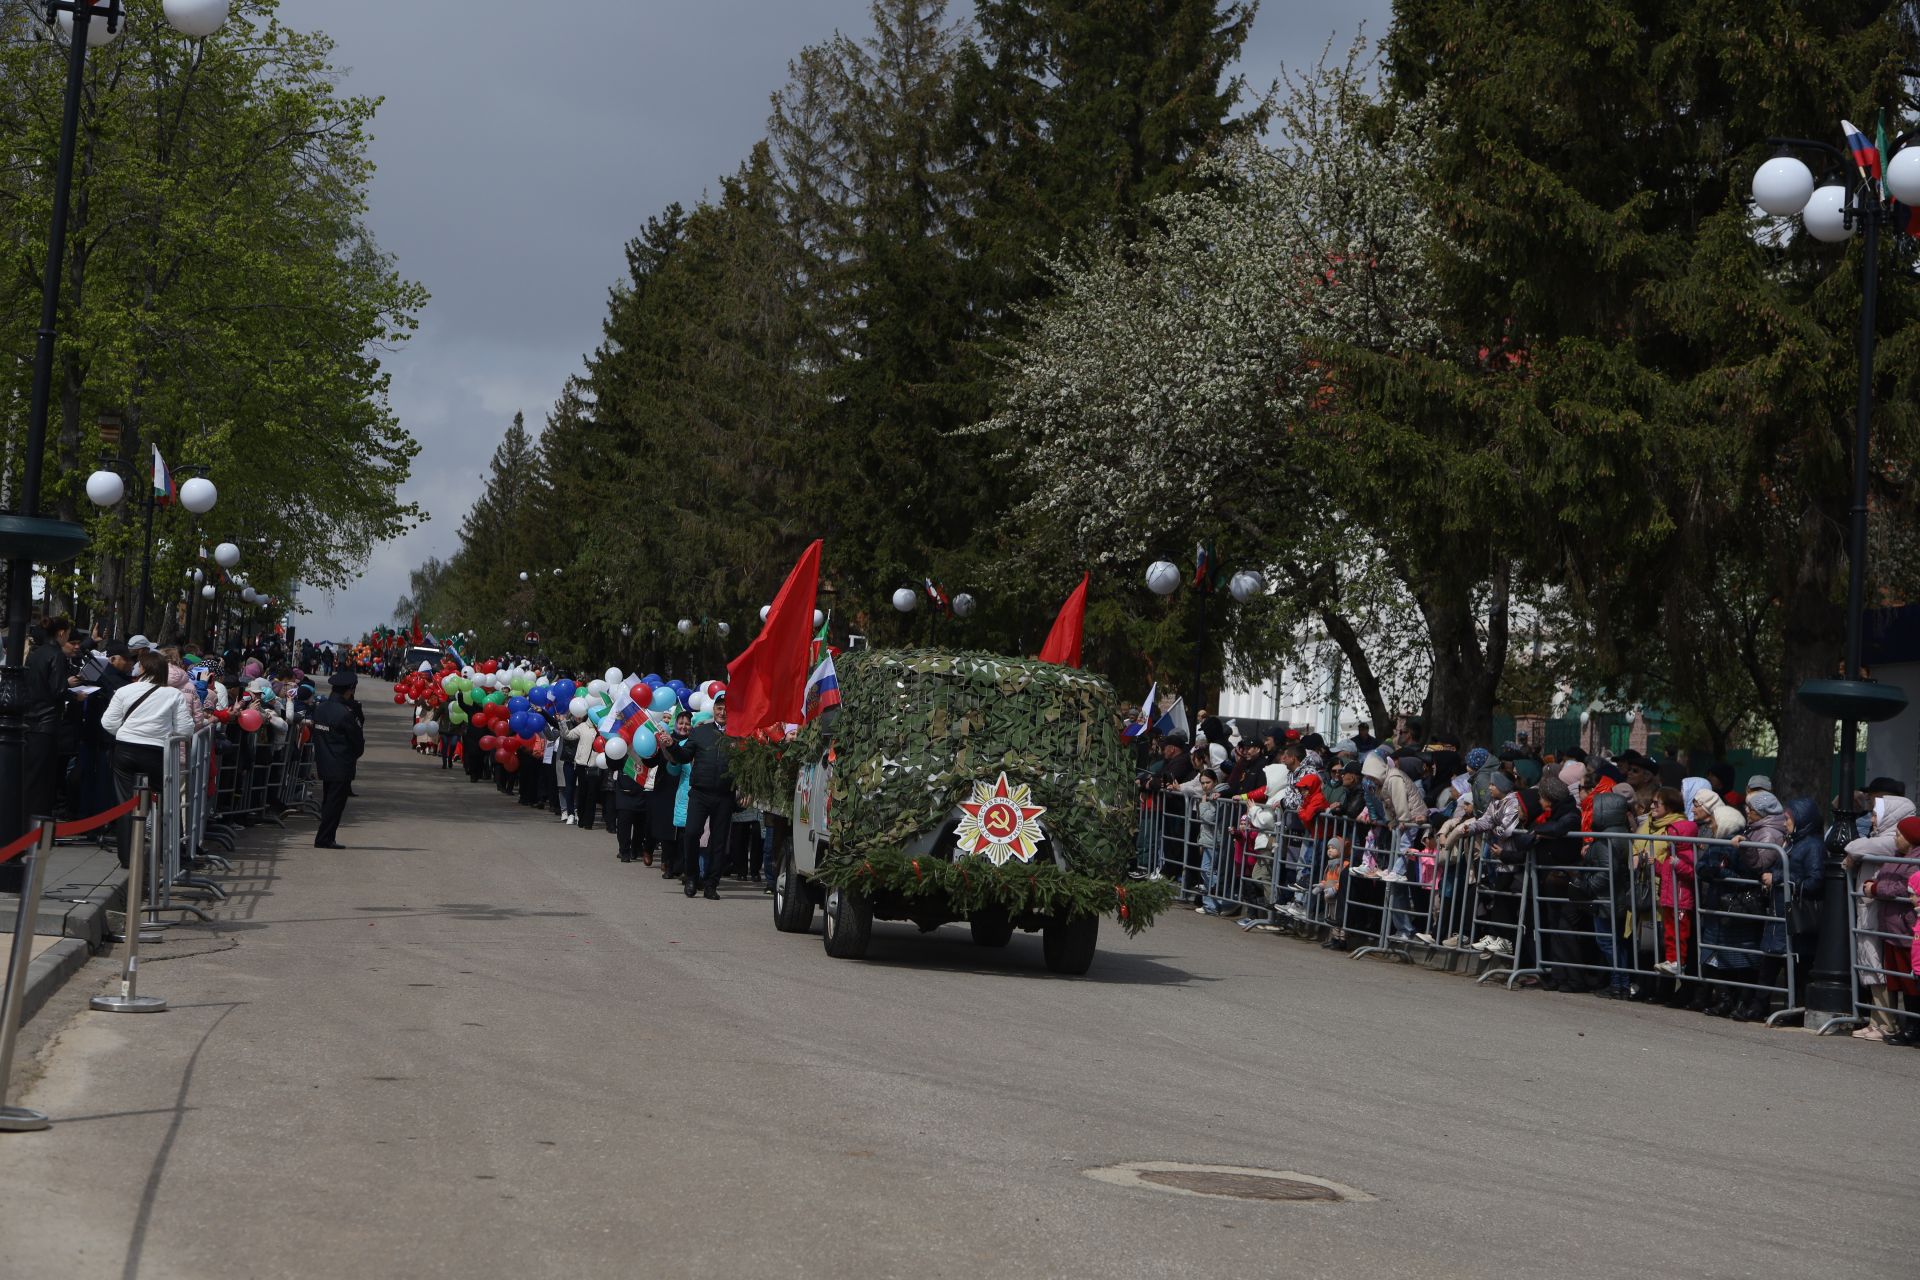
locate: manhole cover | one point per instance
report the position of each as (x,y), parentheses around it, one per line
(1227,1182)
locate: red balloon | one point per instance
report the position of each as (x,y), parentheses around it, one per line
(250,720)
(508,760)
(399,698)
(488,742)
(599,743)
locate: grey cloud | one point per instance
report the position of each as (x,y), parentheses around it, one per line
(520,145)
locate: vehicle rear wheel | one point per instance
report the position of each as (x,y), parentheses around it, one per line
(849,924)
(792,901)
(1069,944)
(991,928)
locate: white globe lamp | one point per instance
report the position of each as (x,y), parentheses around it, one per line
(97,33)
(684,626)
(105,488)
(1903,176)
(766,609)
(226,555)
(198,495)
(196,19)
(906,599)
(1782,186)
(1163,578)
(963,605)
(1245,585)
(207,592)
(1826,216)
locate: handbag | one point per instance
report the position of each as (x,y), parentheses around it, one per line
(1748,900)
(1803,916)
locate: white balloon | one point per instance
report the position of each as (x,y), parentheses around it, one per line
(198,495)
(598,686)
(613,676)
(226,555)
(766,609)
(697,703)
(197,19)
(616,748)
(577,708)
(105,488)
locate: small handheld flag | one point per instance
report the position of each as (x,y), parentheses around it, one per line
(1866,156)
(1138,725)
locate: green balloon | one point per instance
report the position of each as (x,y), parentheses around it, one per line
(455,714)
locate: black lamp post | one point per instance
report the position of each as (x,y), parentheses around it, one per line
(26,536)
(1849,201)
(107,486)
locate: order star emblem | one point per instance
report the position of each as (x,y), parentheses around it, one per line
(1000,822)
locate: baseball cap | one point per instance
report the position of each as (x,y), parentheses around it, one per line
(137,643)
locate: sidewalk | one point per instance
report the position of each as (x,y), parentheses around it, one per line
(84,882)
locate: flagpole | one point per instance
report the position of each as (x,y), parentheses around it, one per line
(146,571)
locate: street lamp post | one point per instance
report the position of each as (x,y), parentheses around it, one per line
(1163,579)
(107,486)
(1833,213)
(27,536)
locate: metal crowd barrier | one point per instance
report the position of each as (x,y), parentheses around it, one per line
(1393,891)
(1876,949)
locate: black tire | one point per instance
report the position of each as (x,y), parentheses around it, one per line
(792,900)
(1069,944)
(991,928)
(849,925)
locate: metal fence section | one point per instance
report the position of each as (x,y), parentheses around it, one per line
(1885,985)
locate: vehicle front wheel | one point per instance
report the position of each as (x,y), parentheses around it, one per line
(849,924)
(792,901)
(991,928)
(1068,944)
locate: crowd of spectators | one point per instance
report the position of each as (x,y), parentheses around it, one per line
(1654,879)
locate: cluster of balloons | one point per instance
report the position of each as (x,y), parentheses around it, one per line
(508,703)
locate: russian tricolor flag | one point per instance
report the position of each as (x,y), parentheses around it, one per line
(1137,727)
(164,490)
(823,689)
(1866,156)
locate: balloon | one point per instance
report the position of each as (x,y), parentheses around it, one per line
(577,708)
(644,743)
(599,743)
(654,677)
(506,759)
(598,686)
(678,686)
(457,716)
(565,690)
(616,748)
(703,717)
(488,742)
(698,702)
(398,697)
(613,675)
(251,720)
(684,696)
(665,699)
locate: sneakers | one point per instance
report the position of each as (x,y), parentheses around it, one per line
(1391,877)
(1451,941)
(1669,968)
(1427,938)
(1492,946)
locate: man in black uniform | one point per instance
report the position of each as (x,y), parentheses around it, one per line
(338,741)
(51,675)
(709,799)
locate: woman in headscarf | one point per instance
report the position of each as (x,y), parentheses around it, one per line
(1883,919)
(1760,855)
(1713,864)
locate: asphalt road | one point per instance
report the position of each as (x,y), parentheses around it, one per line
(475,1045)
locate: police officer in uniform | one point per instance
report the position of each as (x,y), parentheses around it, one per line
(338,741)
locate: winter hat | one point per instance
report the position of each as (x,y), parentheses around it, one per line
(1609,769)
(1623,792)
(1910,828)
(1765,803)
(1879,786)
(1502,784)
(1572,774)
(1759,782)
(1479,758)
(1554,791)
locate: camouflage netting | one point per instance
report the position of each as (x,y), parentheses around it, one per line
(917,728)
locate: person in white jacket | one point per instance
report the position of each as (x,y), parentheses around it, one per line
(141,717)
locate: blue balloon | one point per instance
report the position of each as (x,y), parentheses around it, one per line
(686,697)
(564,691)
(665,699)
(678,686)
(644,744)
(652,679)
(516,705)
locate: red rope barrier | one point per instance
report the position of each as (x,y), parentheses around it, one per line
(78,828)
(81,826)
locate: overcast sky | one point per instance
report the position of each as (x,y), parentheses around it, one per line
(522,144)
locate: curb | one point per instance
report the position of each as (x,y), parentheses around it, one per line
(49,972)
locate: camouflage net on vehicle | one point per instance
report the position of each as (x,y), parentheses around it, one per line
(917,728)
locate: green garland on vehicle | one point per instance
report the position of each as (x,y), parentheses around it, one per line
(974,884)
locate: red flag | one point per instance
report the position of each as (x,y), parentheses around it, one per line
(417,634)
(1063,642)
(766,685)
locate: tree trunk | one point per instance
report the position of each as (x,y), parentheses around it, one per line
(1341,632)
(1466,677)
